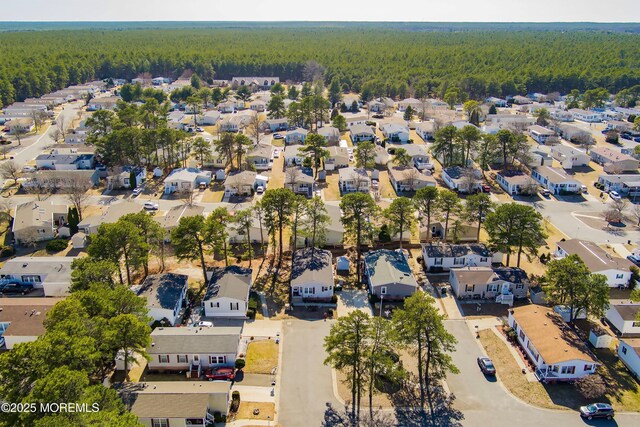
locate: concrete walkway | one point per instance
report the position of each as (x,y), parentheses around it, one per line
(493,323)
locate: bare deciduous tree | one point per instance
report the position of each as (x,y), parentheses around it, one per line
(254,128)
(411,178)
(187,196)
(77,193)
(635,211)
(37,187)
(470,179)
(292,176)
(10,170)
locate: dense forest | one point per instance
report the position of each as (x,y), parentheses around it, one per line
(395,61)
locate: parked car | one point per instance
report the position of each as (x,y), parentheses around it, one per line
(220,374)
(486,188)
(204,324)
(625,136)
(486,366)
(14,288)
(28,169)
(634,259)
(597,410)
(137,191)
(583,188)
(276,153)
(151,206)
(545,192)
(259,189)
(614,195)
(199,130)
(636,139)
(278,136)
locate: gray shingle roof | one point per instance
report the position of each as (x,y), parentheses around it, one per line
(231,282)
(170,405)
(311,266)
(190,340)
(596,258)
(385,266)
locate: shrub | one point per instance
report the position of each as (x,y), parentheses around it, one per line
(592,386)
(235,401)
(219,418)
(384,235)
(251,313)
(373,298)
(56,245)
(240,363)
(334,299)
(330,313)
(511,334)
(6,251)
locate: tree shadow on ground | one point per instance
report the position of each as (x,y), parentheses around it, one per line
(408,411)
(336,417)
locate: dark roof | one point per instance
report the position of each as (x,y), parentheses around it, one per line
(312,266)
(232,282)
(628,312)
(447,250)
(512,275)
(163,290)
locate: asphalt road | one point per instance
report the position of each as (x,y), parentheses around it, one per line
(306,382)
(561,214)
(486,403)
(22,155)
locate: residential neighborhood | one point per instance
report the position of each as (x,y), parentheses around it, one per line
(263,250)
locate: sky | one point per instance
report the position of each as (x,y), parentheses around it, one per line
(323,10)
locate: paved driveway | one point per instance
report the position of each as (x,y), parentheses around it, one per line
(487,403)
(306,383)
(350,300)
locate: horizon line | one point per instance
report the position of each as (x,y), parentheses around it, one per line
(315,21)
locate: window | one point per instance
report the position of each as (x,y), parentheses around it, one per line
(157,422)
(492,288)
(469,288)
(521,334)
(326,288)
(519,286)
(619,276)
(635,324)
(383,290)
(216,305)
(196,358)
(215,360)
(183,358)
(483,259)
(31,278)
(624,350)
(233,306)
(588,367)
(570,370)
(163,358)
(532,350)
(458,261)
(438,261)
